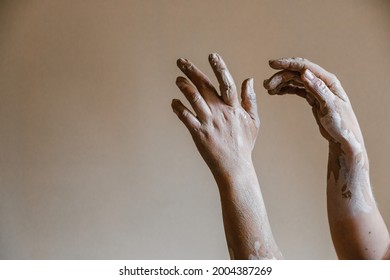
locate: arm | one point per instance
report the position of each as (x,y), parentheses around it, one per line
(224,131)
(357,228)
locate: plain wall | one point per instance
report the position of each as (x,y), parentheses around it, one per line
(94,164)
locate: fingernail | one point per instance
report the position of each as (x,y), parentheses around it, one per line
(181,62)
(308,74)
(179,80)
(213,58)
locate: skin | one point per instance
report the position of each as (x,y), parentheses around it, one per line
(224,131)
(357,228)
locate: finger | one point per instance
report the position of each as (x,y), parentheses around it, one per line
(185,115)
(282,77)
(290,82)
(226,83)
(301,64)
(200,80)
(287,84)
(248,101)
(196,100)
(319,89)
(290,89)
(300,92)
(298,84)
(297,89)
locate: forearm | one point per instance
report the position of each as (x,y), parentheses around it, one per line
(247,228)
(357,228)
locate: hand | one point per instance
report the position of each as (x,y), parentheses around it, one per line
(323,91)
(224,131)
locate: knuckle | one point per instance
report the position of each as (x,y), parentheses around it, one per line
(183,114)
(195,97)
(319,85)
(228,87)
(206,84)
(335,82)
(296,64)
(189,67)
(300,63)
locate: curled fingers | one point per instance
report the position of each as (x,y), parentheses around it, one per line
(301,64)
(280,79)
(288,82)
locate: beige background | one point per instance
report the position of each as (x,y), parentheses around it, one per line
(94,164)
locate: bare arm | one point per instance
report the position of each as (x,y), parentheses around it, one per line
(357,228)
(224,131)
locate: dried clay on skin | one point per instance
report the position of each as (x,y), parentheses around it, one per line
(353,181)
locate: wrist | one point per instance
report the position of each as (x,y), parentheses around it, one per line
(350,153)
(352,141)
(235,176)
